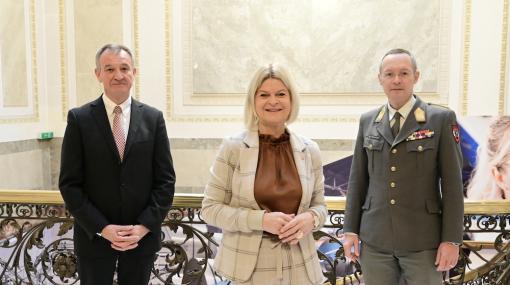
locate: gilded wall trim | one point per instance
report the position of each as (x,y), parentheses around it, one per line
(168,60)
(63,63)
(35,80)
(467,43)
(503,61)
(136,44)
(195,200)
(312,99)
(34,117)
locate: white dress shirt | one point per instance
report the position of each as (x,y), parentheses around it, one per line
(126,112)
(404,111)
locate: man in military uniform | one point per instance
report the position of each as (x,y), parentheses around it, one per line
(405,199)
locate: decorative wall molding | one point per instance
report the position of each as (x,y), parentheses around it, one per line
(467,42)
(188,106)
(503,61)
(29,114)
(63,63)
(136,45)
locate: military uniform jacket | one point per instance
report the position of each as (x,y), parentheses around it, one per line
(406,193)
(229,203)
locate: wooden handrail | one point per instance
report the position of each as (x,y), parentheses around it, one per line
(195,201)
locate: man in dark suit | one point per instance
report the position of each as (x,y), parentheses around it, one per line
(404,199)
(116,177)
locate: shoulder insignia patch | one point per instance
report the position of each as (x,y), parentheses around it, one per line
(456,133)
(380,115)
(419,114)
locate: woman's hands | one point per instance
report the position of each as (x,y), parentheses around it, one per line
(289,228)
(272,222)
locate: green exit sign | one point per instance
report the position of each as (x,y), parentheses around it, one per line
(46,135)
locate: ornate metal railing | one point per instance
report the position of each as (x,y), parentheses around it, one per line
(36,244)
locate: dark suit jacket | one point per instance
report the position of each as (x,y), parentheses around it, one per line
(406,194)
(99,189)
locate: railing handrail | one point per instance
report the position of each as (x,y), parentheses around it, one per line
(195,201)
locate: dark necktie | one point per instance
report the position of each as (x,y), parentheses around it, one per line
(396,125)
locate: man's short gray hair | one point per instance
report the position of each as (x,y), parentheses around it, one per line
(400,51)
(114,48)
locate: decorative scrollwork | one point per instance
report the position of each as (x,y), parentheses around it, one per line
(336,264)
(336,220)
(176,262)
(501,242)
(175,214)
(59,261)
(487,223)
(24,211)
(37,245)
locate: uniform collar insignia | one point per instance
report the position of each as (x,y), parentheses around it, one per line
(419,114)
(381,114)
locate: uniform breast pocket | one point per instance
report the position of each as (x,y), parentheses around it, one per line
(373,147)
(423,152)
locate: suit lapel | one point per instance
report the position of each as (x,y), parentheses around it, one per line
(248,160)
(134,124)
(383,126)
(410,124)
(98,112)
(302,165)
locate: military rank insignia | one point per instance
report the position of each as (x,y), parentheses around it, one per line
(420,134)
(455,132)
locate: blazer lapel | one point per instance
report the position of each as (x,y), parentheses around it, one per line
(134,124)
(383,125)
(303,165)
(248,160)
(98,111)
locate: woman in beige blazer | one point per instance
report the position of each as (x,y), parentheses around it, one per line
(266,191)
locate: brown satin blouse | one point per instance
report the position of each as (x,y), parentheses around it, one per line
(277,185)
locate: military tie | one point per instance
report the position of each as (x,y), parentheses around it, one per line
(396,125)
(118,131)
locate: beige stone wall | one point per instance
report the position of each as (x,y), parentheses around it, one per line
(25,165)
(34,164)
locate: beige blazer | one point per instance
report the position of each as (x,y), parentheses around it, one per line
(229,203)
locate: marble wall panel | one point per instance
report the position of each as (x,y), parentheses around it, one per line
(23,170)
(34,164)
(96,23)
(329,46)
(13,54)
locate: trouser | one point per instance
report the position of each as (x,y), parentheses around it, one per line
(381,267)
(131,269)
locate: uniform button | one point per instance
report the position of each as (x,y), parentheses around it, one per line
(370,146)
(394,150)
(420,148)
(393,168)
(392,201)
(393,184)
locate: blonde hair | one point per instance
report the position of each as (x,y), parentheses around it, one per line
(273,71)
(495,154)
